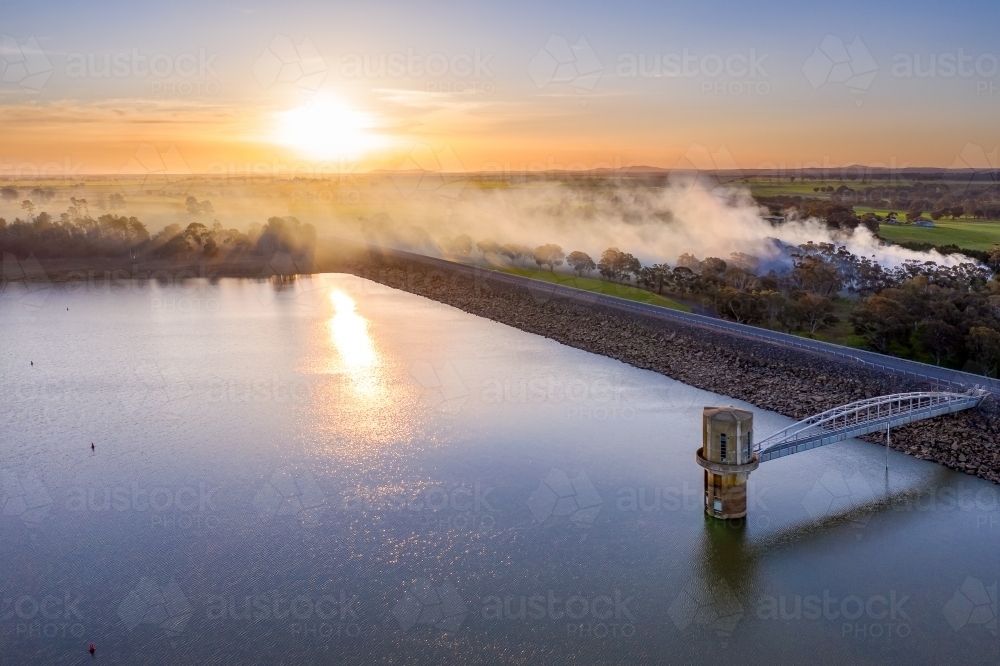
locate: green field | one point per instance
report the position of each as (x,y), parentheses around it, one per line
(769,187)
(598,286)
(882,212)
(968,234)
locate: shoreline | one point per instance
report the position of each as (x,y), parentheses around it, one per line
(103,269)
(787,381)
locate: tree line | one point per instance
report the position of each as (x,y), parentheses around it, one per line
(77,234)
(944,315)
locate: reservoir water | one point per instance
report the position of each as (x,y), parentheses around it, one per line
(329,470)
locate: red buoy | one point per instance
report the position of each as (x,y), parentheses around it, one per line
(92,649)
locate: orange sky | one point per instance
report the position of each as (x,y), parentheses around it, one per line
(67,138)
(483,88)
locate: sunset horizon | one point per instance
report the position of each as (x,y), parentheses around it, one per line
(583,90)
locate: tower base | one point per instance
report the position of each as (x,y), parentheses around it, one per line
(726,487)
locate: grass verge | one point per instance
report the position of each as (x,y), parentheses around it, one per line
(597,286)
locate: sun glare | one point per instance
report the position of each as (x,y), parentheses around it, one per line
(354,345)
(327,129)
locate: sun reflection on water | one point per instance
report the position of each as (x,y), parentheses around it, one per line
(364,403)
(355,346)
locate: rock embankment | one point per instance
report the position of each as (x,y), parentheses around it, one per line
(788,381)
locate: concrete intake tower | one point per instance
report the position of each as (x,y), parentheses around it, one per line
(727,455)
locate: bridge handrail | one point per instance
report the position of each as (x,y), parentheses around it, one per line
(883,405)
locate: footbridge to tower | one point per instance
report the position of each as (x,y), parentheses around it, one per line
(863,417)
(730,452)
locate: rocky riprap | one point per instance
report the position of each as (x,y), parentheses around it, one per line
(785,380)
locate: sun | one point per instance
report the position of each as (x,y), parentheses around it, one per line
(327,129)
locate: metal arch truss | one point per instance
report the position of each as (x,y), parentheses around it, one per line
(863,417)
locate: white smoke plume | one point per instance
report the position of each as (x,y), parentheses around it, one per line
(656,224)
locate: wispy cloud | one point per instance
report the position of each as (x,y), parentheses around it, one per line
(433,100)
